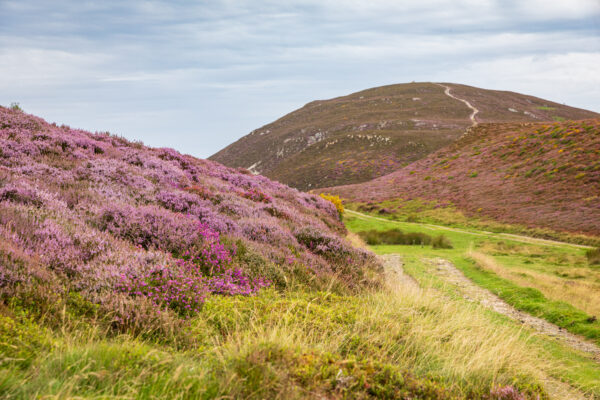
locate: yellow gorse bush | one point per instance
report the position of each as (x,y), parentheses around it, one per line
(337,202)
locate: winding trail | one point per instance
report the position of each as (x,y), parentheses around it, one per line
(557,389)
(475,293)
(475,110)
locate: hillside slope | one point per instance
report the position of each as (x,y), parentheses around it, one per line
(374,132)
(132,272)
(136,231)
(540,175)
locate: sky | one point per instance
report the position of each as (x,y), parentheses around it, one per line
(198,75)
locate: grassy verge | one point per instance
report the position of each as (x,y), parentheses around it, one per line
(573,367)
(567,365)
(425,211)
(532,301)
(388,343)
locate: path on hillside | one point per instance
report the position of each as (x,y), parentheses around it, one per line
(392,264)
(509,236)
(475,110)
(558,390)
(476,293)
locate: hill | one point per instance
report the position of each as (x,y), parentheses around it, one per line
(135,230)
(374,132)
(536,174)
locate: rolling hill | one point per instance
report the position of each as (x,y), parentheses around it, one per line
(537,174)
(147,235)
(374,132)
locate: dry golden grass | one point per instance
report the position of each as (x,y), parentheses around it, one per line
(420,329)
(583,293)
(356,241)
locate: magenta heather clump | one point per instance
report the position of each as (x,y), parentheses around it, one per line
(506,393)
(184,285)
(19,195)
(150,226)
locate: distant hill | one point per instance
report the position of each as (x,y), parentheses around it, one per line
(374,132)
(540,175)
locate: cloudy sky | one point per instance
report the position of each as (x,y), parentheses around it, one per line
(197,75)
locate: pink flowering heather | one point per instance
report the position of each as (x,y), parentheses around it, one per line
(257,195)
(506,393)
(141,231)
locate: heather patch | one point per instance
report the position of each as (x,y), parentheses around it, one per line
(145,236)
(542,177)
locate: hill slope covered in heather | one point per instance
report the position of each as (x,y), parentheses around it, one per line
(374,132)
(100,214)
(541,175)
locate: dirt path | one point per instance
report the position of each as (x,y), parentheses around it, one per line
(392,264)
(473,292)
(475,111)
(556,389)
(509,236)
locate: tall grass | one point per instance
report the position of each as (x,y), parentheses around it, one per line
(398,340)
(593,256)
(583,294)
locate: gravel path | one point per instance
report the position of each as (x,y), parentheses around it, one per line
(555,388)
(473,292)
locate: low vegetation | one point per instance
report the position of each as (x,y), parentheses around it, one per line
(375,132)
(550,281)
(394,236)
(593,256)
(336,201)
(131,272)
(543,177)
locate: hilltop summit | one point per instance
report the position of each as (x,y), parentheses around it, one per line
(371,133)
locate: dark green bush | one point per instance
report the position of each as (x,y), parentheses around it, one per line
(394,236)
(593,256)
(441,242)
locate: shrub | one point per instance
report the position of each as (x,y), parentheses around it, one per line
(441,242)
(593,256)
(320,243)
(167,287)
(257,196)
(184,285)
(19,195)
(394,236)
(150,226)
(336,201)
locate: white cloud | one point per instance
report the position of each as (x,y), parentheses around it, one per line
(215,70)
(570,78)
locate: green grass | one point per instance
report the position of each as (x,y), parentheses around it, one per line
(385,342)
(381,344)
(577,369)
(432,212)
(523,298)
